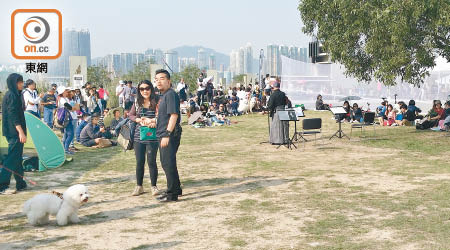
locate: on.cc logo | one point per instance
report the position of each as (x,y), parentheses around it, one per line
(36,34)
(37,25)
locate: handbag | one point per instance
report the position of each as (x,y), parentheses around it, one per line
(147,133)
(126,135)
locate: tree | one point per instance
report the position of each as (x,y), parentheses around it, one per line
(140,71)
(239,78)
(382,39)
(98,75)
(190,75)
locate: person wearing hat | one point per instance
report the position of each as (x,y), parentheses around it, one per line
(279,130)
(120,92)
(49,103)
(69,131)
(31,98)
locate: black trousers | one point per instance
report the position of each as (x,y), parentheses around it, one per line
(200,96)
(150,150)
(168,157)
(13,161)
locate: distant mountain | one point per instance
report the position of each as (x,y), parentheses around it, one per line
(191,51)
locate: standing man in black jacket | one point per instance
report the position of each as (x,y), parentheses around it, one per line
(14,129)
(168,131)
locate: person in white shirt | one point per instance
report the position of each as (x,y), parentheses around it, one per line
(181,89)
(241,93)
(31,98)
(201,89)
(120,92)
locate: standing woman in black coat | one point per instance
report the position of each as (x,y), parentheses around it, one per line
(14,129)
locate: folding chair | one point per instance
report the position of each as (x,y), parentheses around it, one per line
(312,126)
(368,120)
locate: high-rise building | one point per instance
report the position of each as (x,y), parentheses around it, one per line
(240,61)
(202,59)
(233,61)
(248,59)
(75,43)
(212,62)
(303,54)
(284,50)
(228,76)
(126,62)
(171,61)
(138,58)
(273,60)
(294,53)
(113,63)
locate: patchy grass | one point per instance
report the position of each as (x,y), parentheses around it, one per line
(387,191)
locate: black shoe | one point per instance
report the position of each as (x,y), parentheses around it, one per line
(165,198)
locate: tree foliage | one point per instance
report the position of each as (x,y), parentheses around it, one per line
(140,71)
(190,75)
(382,39)
(98,75)
(239,78)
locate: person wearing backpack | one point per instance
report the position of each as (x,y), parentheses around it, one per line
(63,113)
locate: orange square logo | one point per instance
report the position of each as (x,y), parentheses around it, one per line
(36,34)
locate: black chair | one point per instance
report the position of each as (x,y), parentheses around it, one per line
(368,120)
(312,126)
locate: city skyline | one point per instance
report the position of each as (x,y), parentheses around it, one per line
(132,28)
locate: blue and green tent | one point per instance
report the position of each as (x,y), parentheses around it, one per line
(48,146)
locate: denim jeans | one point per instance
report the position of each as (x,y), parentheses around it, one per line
(74,125)
(48,116)
(34,113)
(13,162)
(68,136)
(79,129)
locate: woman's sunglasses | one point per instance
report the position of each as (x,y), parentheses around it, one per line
(144,88)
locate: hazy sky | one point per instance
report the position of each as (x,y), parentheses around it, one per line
(135,25)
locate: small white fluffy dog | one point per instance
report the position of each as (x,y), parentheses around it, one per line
(243,106)
(66,208)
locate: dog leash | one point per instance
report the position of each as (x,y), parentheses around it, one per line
(23,177)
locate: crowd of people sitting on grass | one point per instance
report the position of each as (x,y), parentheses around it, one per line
(213,106)
(78,113)
(398,114)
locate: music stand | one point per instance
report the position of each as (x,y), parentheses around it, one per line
(297,135)
(287,115)
(339,111)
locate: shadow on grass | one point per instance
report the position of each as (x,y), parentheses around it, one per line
(161,245)
(31,243)
(260,182)
(11,216)
(111,215)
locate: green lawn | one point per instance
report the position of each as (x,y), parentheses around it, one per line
(388,191)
